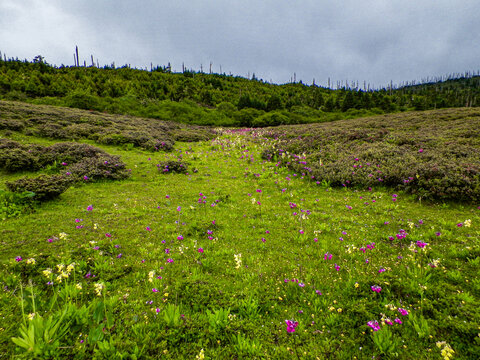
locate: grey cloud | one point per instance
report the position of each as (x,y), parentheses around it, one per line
(372,40)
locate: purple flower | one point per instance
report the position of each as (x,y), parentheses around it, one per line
(374,325)
(108,235)
(337,267)
(119,256)
(381,270)
(398,321)
(376,288)
(18,259)
(170,260)
(291,325)
(421,244)
(403,312)
(200,250)
(179,237)
(89,208)
(148,228)
(301,284)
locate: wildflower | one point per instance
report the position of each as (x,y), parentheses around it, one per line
(31,316)
(170,260)
(374,325)
(70,267)
(327,256)
(467,223)
(47,273)
(301,284)
(89,208)
(154,290)
(459,224)
(421,244)
(398,321)
(337,267)
(357,285)
(238,260)
(179,237)
(108,235)
(31,261)
(376,288)
(119,256)
(403,312)
(18,259)
(200,250)
(201,355)
(98,287)
(62,236)
(291,325)
(79,286)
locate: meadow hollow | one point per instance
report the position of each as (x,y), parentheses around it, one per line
(138,238)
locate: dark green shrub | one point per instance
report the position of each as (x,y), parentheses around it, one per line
(44,187)
(172,166)
(100,167)
(13,160)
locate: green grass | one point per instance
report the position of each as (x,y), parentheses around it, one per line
(210,300)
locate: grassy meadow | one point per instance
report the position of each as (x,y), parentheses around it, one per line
(212,251)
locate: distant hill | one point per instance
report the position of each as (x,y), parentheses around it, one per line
(218,99)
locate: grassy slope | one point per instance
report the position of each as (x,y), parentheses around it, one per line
(230,170)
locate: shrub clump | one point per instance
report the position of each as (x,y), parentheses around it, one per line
(172,166)
(100,167)
(45,187)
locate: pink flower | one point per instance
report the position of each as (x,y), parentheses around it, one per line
(374,325)
(18,259)
(108,235)
(200,250)
(291,325)
(179,237)
(89,208)
(148,228)
(376,288)
(403,312)
(398,321)
(170,260)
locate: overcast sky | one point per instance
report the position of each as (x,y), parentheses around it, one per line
(376,41)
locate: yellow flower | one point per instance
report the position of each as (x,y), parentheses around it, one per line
(201,355)
(98,287)
(31,316)
(31,261)
(47,272)
(70,267)
(79,286)
(467,223)
(357,284)
(62,236)
(339,310)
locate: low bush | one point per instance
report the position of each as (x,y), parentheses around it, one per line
(172,166)
(101,167)
(45,187)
